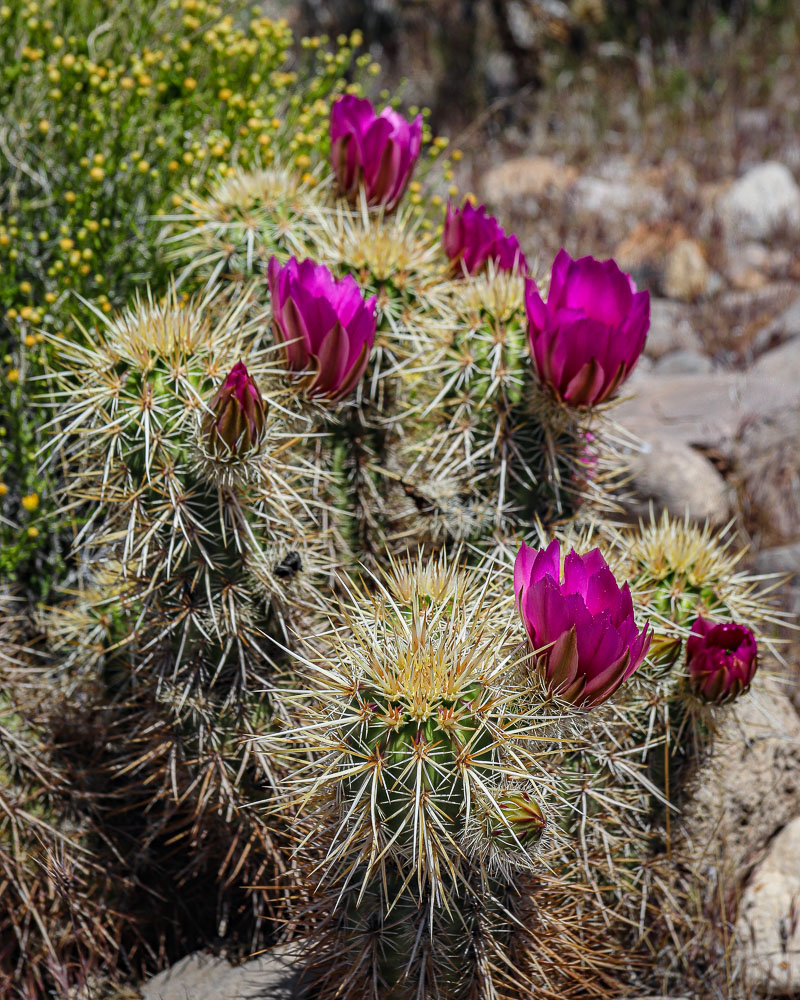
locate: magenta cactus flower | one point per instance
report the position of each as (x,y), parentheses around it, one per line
(375,151)
(581,627)
(721,660)
(326,326)
(237,418)
(586,339)
(472,238)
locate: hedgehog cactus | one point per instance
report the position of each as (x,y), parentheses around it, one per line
(452,772)
(432,787)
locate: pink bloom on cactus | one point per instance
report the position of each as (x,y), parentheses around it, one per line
(376,151)
(471,238)
(721,660)
(582,625)
(586,339)
(236,421)
(326,326)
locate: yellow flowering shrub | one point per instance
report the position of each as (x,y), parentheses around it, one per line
(106,115)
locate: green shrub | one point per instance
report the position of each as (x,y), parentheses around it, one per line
(104,118)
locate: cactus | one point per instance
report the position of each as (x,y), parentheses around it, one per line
(431,790)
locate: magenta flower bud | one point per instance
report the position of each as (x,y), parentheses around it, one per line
(326,326)
(586,339)
(237,418)
(581,627)
(721,660)
(376,151)
(472,238)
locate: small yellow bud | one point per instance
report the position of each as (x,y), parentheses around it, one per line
(44,126)
(13,375)
(97,173)
(69,197)
(3,489)
(30,340)
(25,287)
(142,166)
(190,83)
(33,531)
(66,244)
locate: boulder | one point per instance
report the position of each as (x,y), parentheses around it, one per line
(617,202)
(673,476)
(769,917)
(526,177)
(750,787)
(765,201)
(684,362)
(707,411)
(671,329)
(767,464)
(201,976)
(785,326)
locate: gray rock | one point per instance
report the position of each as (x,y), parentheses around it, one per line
(784,327)
(618,203)
(750,787)
(767,465)
(673,476)
(684,362)
(762,202)
(769,917)
(785,561)
(200,976)
(671,329)
(782,363)
(706,411)
(779,559)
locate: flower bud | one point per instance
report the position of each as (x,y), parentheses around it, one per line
(721,660)
(375,151)
(471,239)
(326,326)
(520,823)
(581,626)
(586,339)
(236,422)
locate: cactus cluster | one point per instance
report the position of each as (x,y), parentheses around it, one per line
(331,680)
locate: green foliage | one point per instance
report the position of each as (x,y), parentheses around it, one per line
(104,119)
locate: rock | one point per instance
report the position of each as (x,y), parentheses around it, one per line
(200,976)
(744,319)
(709,412)
(683,362)
(783,327)
(645,250)
(765,201)
(617,204)
(686,272)
(767,467)
(785,560)
(769,917)
(671,329)
(526,177)
(750,787)
(673,476)
(781,363)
